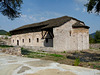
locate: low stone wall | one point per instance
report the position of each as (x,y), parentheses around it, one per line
(12,50)
(47,49)
(97,46)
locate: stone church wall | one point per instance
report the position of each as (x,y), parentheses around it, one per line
(31,39)
(67,38)
(62,36)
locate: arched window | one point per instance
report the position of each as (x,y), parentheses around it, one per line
(18,42)
(23,40)
(29,40)
(37,39)
(13,41)
(70,33)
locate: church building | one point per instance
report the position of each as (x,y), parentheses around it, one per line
(61,34)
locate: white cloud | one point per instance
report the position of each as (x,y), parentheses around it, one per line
(77,9)
(84,10)
(81,1)
(29,10)
(38,17)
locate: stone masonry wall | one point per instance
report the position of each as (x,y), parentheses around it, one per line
(12,50)
(67,38)
(32,48)
(24,40)
(96,46)
(80,39)
(62,37)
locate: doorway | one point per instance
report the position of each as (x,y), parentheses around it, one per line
(18,42)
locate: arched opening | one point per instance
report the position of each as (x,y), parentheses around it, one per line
(18,42)
(23,40)
(29,40)
(37,40)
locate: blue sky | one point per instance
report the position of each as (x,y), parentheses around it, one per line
(40,10)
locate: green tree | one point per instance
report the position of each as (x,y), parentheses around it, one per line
(11,8)
(8,33)
(91,39)
(97,37)
(93,5)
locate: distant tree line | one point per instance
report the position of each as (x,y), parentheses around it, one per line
(95,38)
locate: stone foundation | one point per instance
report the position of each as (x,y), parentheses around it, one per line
(97,46)
(47,49)
(12,51)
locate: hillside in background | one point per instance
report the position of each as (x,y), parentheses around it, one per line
(3,32)
(92,35)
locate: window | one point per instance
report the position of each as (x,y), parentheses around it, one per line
(70,33)
(18,42)
(37,39)
(46,40)
(29,40)
(23,40)
(13,41)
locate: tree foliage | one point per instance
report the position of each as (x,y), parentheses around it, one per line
(93,5)
(11,8)
(91,39)
(96,38)
(8,33)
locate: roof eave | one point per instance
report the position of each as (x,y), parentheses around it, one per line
(81,27)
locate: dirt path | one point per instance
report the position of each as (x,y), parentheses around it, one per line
(13,65)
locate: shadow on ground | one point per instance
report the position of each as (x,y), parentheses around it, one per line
(85,56)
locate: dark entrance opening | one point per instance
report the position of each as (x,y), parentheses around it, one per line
(18,42)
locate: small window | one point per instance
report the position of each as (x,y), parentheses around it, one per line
(18,42)
(70,33)
(23,40)
(29,40)
(46,40)
(37,39)
(13,41)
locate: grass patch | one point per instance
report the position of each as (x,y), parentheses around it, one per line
(94,66)
(56,55)
(32,54)
(62,57)
(5,46)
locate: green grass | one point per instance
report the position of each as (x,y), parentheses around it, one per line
(56,55)
(5,46)
(32,54)
(95,66)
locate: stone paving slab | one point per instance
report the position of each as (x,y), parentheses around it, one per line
(14,65)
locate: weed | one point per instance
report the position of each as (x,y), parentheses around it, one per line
(77,62)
